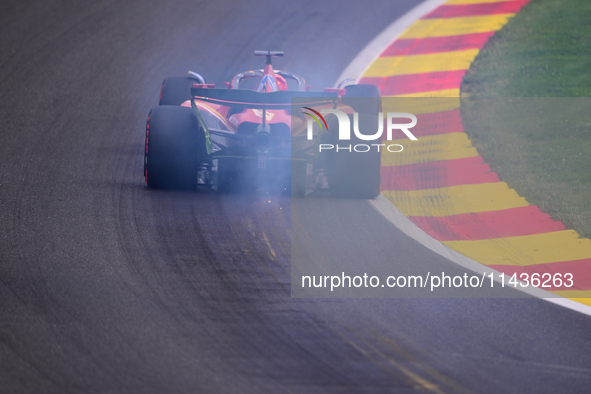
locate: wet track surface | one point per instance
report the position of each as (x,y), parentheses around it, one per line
(108,286)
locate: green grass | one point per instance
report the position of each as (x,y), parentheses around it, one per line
(527,107)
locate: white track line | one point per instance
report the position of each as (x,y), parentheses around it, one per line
(381,204)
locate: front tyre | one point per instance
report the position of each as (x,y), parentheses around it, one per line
(174,148)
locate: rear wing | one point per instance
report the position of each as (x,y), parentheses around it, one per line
(241,98)
(268,54)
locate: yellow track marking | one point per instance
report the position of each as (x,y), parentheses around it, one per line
(271,250)
(581,296)
(454,200)
(443,93)
(456,26)
(421,382)
(527,249)
(425,103)
(418,64)
(582,300)
(430,148)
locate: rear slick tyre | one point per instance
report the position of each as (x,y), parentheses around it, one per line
(356,173)
(175,147)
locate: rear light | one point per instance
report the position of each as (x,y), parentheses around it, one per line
(203,85)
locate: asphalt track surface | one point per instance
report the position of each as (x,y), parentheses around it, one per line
(106,286)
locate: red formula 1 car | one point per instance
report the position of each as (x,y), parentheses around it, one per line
(265,130)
